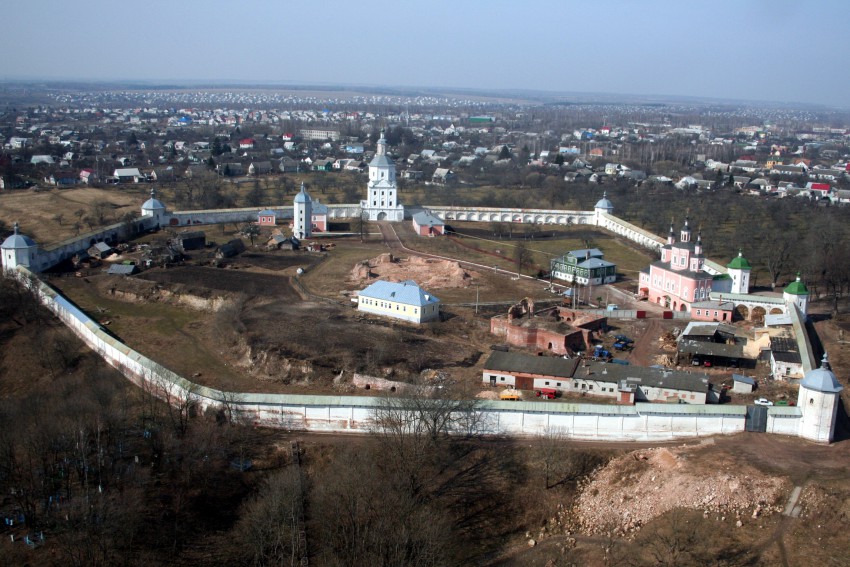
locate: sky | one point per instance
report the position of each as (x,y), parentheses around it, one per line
(769,50)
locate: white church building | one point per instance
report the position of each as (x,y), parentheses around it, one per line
(382,190)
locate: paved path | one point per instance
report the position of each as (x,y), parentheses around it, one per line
(791,508)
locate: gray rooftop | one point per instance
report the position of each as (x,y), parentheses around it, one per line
(528,364)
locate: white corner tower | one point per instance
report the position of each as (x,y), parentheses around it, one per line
(382,190)
(797,293)
(739,271)
(302,215)
(154,210)
(19,250)
(602,206)
(818,401)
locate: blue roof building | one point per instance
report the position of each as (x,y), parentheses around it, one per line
(400,300)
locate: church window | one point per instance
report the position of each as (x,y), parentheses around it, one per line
(811,401)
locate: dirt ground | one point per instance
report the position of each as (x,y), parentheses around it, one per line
(37,211)
(231,278)
(429,273)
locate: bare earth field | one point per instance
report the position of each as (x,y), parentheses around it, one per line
(225,279)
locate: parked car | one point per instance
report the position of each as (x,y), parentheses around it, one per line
(623,339)
(763,402)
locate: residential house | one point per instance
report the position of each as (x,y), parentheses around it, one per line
(825,174)
(443,176)
(259,167)
(288,165)
(413,175)
(322,165)
(42,159)
(796,170)
(87,176)
(635,175)
(230,169)
(356,166)
(128,175)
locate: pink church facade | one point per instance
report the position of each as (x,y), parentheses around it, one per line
(677,280)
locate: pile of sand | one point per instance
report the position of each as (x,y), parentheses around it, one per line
(635,488)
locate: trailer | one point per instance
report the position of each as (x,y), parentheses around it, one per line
(548,393)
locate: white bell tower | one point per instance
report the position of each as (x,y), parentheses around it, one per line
(382,190)
(739,270)
(302,215)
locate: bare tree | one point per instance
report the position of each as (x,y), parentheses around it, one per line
(522,257)
(250,230)
(269,525)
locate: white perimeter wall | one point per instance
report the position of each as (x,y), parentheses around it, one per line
(641,422)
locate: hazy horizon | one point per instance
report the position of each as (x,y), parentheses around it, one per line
(726,50)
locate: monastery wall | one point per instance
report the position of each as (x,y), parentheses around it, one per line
(640,422)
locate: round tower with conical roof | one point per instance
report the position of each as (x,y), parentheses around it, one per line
(818,400)
(603,205)
(19,250)
(798,294)
(739,270)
